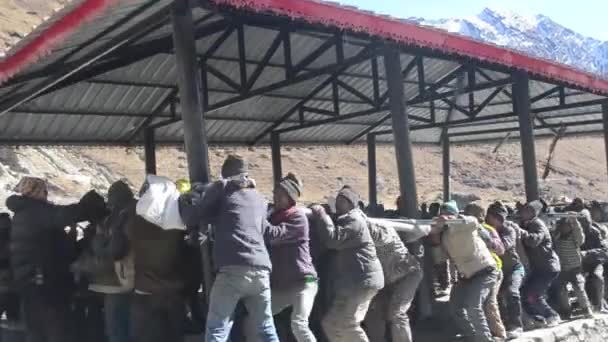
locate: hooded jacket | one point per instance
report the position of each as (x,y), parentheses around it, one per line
(39,246)
(510,236)
(568,245)
(466,248)
(538,245)
(355,263)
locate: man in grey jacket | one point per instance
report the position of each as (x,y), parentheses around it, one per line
(356,270)
(402,275)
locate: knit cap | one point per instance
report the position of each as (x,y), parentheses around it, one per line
(475,210)
(450,208)
(498,210)
(348,193)
(234,165)
(292,186)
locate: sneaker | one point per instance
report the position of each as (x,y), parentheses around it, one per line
(515,333)
(553,321)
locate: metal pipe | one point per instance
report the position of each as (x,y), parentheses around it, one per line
(275,147)
(521,106)
(150,151)
(372,173)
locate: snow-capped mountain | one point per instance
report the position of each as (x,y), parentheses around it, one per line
(536,35)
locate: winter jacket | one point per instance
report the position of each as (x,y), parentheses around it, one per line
(537,242)
(290,253)
(40,250)
(111,246)
(238,213)
(158,257)
(466,248)
(396,260)
(596,236)
(6,275)
(568,247)
(354,263)
(509,234)
(494,244)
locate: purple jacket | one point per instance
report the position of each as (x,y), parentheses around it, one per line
(290,252)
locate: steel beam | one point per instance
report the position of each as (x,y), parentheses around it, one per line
(605,122)
(401,129)
(446,160)
(150,151)
(275,148)
(372,174)
(521,106)
(189,82)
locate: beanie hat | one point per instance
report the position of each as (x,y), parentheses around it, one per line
(32,187)
(535,206)
(349,194)
(450,207)
(498,210)
(292,186)
(233,166)
(475,210)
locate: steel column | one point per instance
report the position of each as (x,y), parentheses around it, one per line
(447,180)
(372,172)
(405,167)
(605,118)
(401,133)
(189,83)
(195,137)
(150,151)
(521,106)
(275,147)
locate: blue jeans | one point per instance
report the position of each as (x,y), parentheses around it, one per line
(117,309)
(235,283)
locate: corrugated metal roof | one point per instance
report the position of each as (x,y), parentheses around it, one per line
(110,106)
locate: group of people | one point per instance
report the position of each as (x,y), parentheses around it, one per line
(123,278)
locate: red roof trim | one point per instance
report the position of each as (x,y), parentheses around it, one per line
(42,44)
(387,27)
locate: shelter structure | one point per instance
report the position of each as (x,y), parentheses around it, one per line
(281,71)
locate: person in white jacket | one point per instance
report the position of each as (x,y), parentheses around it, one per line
(476,267)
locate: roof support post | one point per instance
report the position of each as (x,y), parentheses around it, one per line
(150,151)
(195,136)
(405,163)
(521,106)
(189,83)
(372,172)
(401,132)
(447,181)
(605,119)
(275,148)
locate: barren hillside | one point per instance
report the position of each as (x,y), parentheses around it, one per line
(579,165)
(579,169)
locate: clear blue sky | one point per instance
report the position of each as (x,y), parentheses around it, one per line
(589,17)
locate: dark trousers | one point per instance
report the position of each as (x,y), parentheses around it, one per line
(48,317)
(11,305)
(88,316)
(157,318)
(510,293)
(595,285)
(535,292)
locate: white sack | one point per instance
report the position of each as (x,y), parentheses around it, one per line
(159,204)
